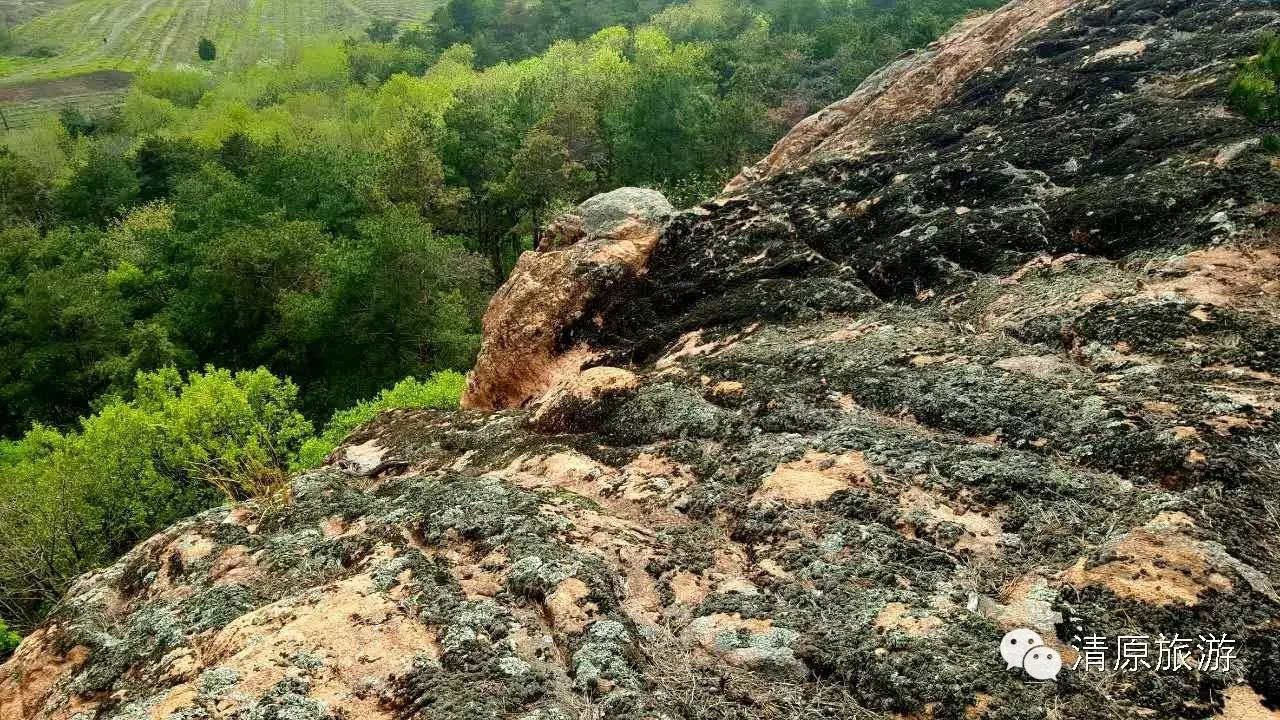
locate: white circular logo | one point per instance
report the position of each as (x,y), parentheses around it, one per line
(1015,645)
(1042,662)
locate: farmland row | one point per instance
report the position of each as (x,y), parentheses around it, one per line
(16,117)
(138,34)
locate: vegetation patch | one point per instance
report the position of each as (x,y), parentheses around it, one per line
(1253,92)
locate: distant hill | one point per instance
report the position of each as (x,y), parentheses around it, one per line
(56,39)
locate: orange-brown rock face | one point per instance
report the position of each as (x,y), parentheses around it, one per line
(44,667)
(906,89)
(524,351)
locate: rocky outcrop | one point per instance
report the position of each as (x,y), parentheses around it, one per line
(601,248)
(1014,366)
(906,89)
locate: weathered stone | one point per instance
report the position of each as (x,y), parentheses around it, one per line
(525,351)
(577,403)
(562,232)
(905,89)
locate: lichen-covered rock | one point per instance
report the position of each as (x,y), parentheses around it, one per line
(606,212)
(1015,365)
(906,89)
(577,403)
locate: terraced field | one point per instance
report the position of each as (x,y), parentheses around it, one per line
(94,44)
(91,93)
(16,12)
(137,34)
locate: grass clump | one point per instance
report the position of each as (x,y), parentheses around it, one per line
(181,85)
(1253,92)
(441,391)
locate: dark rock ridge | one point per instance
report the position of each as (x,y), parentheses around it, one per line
(1011,364)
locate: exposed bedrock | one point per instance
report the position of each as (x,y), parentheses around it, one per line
(807,450)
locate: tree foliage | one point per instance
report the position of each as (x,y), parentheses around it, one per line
(72,501)
(340,215)
(206,50)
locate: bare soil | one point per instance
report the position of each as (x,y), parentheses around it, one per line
(97,81)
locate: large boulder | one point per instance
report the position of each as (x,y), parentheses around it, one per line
(602,248)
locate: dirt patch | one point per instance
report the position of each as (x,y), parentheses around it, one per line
(899,617)
(1038,366)
(692,345)
(1242,703)
(1128,48)
(927,513)
(813,478)
(94,82)
(1232,277)
(569,614)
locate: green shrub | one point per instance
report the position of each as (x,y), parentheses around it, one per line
(440,391)
(10,452)
(73,501)
(206,50)
(76,123)
(8,640)
(182,86)
(1253,92)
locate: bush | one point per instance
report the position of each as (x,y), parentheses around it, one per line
(76,123)
(441,391)
(1253,92)
(71,502)
(183,86)
(8,640)
(206,50)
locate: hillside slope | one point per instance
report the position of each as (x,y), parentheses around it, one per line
(1011,363)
